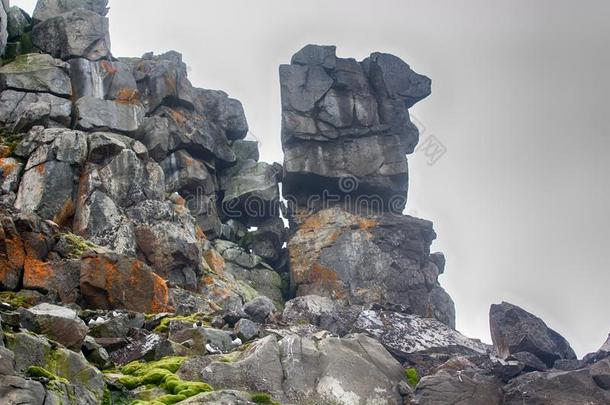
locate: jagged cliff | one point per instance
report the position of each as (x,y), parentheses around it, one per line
(141,236)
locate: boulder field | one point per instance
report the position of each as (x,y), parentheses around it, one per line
(148,257)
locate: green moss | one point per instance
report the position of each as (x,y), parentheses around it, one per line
(79,245)
(164,325)
(412,376)
(263,398)
(39,372)
(16,300)
(161,373)
(9,138)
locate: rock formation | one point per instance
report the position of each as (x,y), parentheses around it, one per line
(141,236)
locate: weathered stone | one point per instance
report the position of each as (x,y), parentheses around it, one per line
(37,73)
(10,174)
(18,22)
(267,241)
(104,80)
(94,114)
(342,119)
(403,334)
(246,150)
(259,309)
(17,390)
(76,33)
(111,281)
(515,330)
(600,372)
(247,330)
(46,9)
(162,80)
(222,397)
(377,259)
(14,104)
(169,242)
(555,388)
(322,312)
(530,362)
(3,28)
(251,192)
(226,112)
(187,176)
(48,189)
(470,388)
(58,323)
(95,353)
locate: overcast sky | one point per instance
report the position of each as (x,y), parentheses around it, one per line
(521,101)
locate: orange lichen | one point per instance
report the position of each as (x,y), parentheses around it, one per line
(214,260)
(367,223)
(40,169)
(7,167)
(178,117)
(65,213)
(326,279)
(108,67)
(127,96)
(37,274)
(160,299)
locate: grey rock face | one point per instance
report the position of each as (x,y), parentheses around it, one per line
(94,114)
(17,390)
(403,334)
(162,80)
(58,323)
(37,73)
(103,79)
(345,118)
(227,112)
(245,150)
(18,22)
(251,192)
(600,372)
(555,388)
(14,105)
(322,312)
(350,370)
(377,259)
(469,388)
(76,33)
(268,239)
(46,9)
(10,174)
(515,330)
(3,29)
(49,184)
(247,330)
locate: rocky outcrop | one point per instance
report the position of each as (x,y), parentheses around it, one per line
(377,259)
(343,118)
(515,330)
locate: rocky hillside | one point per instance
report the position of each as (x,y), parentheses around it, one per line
(145,257)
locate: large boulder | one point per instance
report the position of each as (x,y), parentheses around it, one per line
(76,33)
(555,388)
(37,73)
(251,192)
(343,118)
(23,110)
(18,390)
(350,370)
(466,388)
(404,335)
(58,323)
(162,80)
(95,114)
(515,330)
(109,281)
(378,259)
(18,22)
(49,184)
(46,9)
